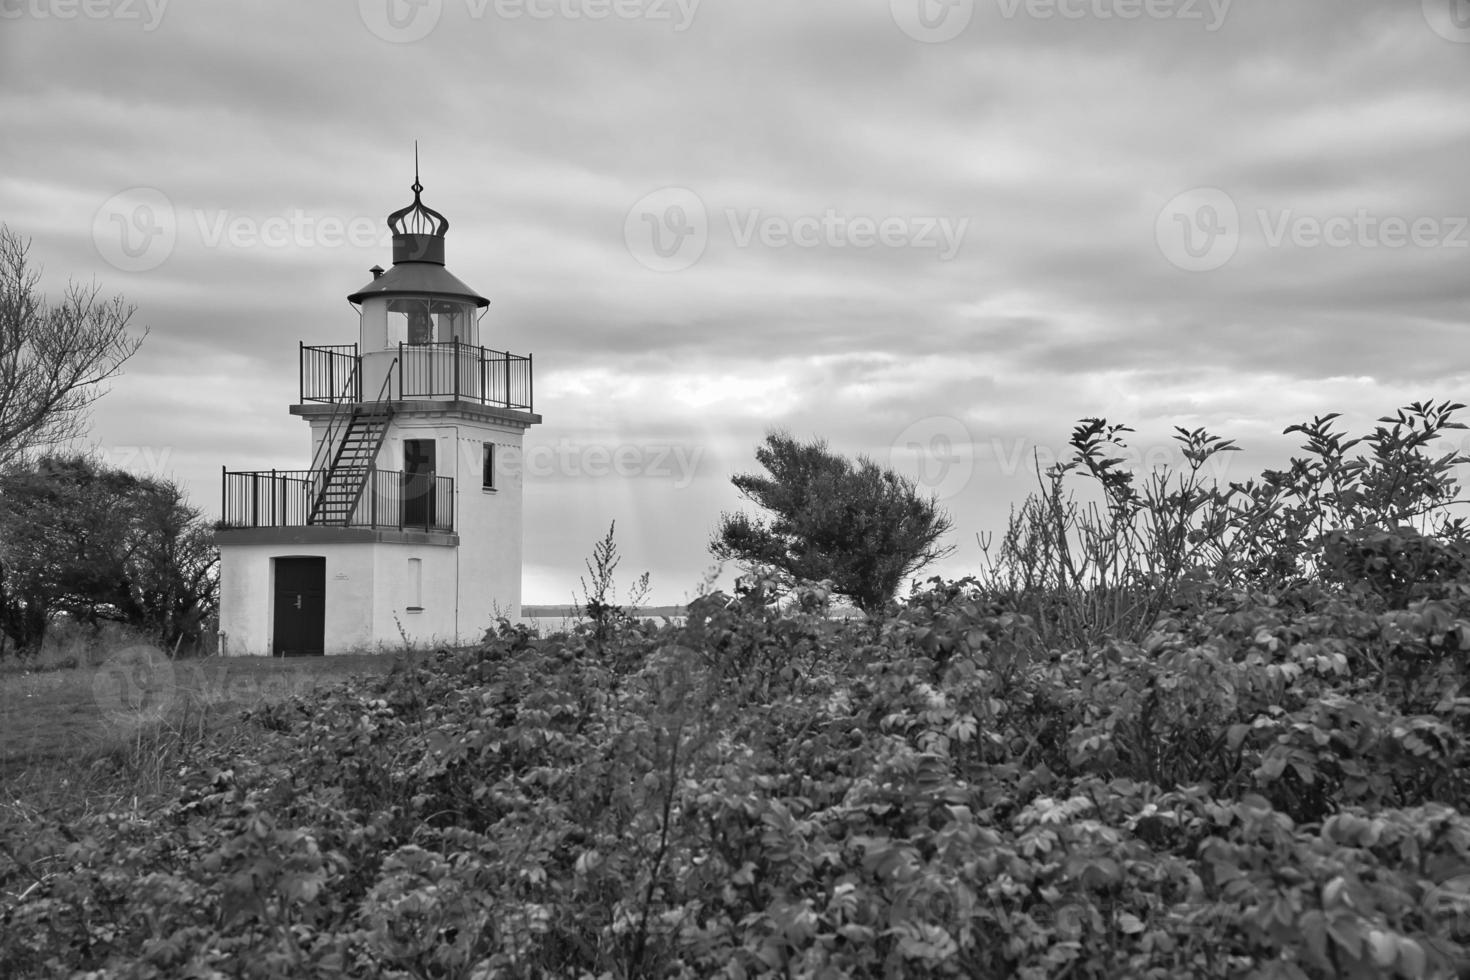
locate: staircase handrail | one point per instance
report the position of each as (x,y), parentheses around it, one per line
(342,409)
(324,470)
(334,424)
(384,390)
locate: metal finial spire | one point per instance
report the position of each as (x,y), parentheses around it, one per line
(418,218)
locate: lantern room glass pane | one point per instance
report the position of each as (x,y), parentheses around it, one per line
(410,321)
(451,321)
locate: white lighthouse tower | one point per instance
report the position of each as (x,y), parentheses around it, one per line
(407,521)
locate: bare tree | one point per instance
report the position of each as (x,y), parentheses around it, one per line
(53,359)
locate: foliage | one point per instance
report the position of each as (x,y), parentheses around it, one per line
(1268,781)
(101,544)
(1112,566)
(761,793)
(54,359)
(864,528)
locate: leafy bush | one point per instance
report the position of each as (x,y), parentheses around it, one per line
(1110,567)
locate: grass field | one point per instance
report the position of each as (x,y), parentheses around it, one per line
(90,723)
(74,733)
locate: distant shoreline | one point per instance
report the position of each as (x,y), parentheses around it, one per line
(570,612)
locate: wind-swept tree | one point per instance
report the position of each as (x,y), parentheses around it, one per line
(861,526)
(54,359)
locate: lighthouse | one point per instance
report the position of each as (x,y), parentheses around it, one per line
(405,524)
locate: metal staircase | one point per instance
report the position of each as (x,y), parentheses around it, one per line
(352,466)
(342,483)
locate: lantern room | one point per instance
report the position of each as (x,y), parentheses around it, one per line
(418,301)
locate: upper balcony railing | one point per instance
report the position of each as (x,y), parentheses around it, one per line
(437,371)
(391,499)
(330,374)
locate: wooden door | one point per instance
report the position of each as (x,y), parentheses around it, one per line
(300,627)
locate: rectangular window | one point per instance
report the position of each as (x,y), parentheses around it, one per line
(415,585)
(487,478)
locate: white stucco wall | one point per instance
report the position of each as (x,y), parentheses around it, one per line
(244,601)
(489,522)
(392,614)
(367,586)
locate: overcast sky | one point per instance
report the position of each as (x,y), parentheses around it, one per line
(937,232)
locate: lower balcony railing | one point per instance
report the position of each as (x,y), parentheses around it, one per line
(284,498)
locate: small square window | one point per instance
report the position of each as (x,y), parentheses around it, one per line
(487,478)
